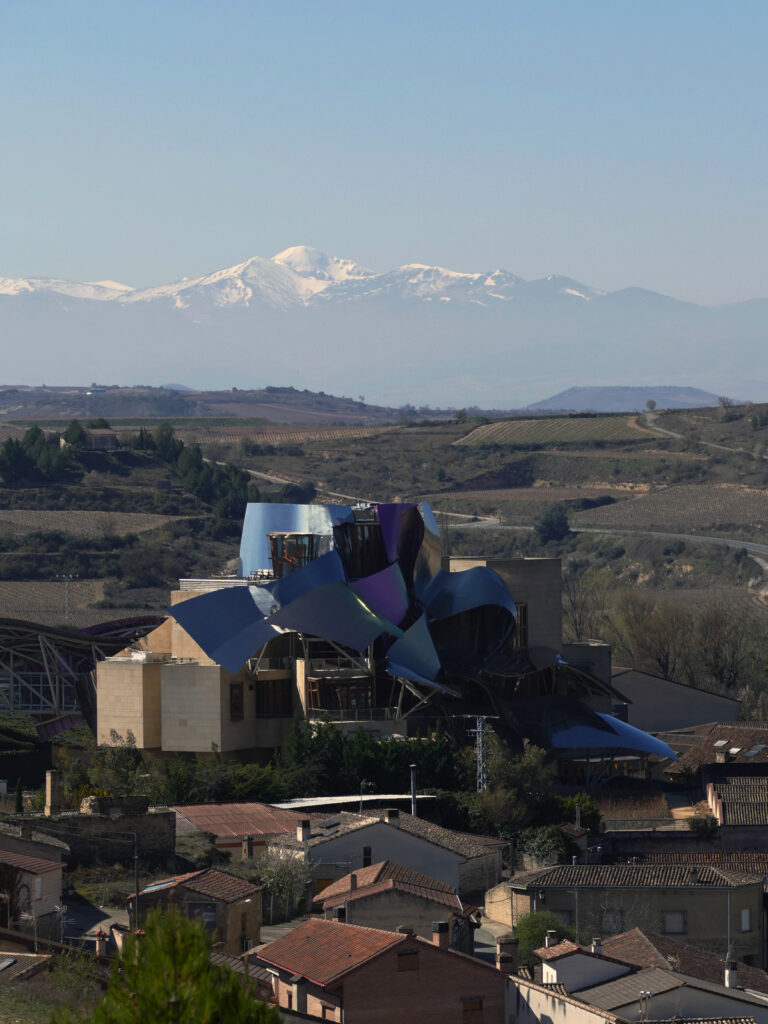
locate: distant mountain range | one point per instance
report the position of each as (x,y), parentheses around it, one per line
(416,334)
(618,399)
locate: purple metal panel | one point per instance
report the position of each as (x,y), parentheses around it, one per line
(385,593)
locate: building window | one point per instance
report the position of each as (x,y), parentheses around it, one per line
(236,702)
(39,890)
(565,917)
(613,922)
(519,640)
(674,922)
(408,960)
(746,920)
(366,856)
(472,1010)
(205,912)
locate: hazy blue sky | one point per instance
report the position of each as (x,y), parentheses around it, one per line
(618,143)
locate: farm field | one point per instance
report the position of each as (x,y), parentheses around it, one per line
(680,509)
(17,522)
(558,429)
(518,505)
(277,435)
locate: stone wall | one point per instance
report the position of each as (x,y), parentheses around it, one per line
(107,839)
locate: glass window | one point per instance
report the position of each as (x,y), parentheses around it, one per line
(674,922)
(746,920)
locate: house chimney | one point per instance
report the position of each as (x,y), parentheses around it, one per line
(731,974)
(440,934)
(340,914)
(693,876)
(506,953)
(303,830)
(597,946)
(247,850)
(404,929)
(551,938)
(101,942)
(52,793)
(352,882)
(723,756)
(392,817)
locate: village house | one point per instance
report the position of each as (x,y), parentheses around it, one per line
(721,908)
(632,992)
(328,970)
(229,907)
(345,842)
(386,894)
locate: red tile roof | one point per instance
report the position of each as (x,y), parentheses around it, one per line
(208,882)
(32,865)
(447,899)
(649,949)
(323,951)
(564,948)
(634,876)
(381,872)
(241,819)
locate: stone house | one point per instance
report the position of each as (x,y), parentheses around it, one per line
(385,895)
(610,985)
(343,843)
(712,904)
(327,970)
(229,907)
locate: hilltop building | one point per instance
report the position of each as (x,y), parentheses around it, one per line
(353,615)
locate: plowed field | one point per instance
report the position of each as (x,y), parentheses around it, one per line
(565,429)
(682,508)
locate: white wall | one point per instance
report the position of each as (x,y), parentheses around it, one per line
(389,843)
(579,971)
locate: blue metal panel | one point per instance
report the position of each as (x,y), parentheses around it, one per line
(620,736)
(262,518)
(226,623)
(415,651)
(450,593)
(322,570)
(334,612)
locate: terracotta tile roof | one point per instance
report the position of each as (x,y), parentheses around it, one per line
(14,965)
(612,995)
(750,862)
(649,949)
(324,951)
(32,865)
(237,964)
(463,843)
(383,871)
(713,1020)
(447,899)
(743,743)
(240,819)
(658,876)
(564,948)
(208,882)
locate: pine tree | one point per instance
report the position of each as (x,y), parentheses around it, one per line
(167,977)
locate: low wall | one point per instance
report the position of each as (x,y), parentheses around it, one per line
(99,838)
(729,838)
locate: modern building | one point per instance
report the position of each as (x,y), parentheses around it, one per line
(353,615)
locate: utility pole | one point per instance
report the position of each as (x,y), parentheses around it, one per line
(481,756)
(136,878)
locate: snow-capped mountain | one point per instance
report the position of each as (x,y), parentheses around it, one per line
(413,334)
(300,275)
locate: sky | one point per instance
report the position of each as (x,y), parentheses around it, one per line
(619,144)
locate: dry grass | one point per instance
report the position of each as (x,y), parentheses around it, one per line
(557,429)
(634,805)
(17,522)
(682,508)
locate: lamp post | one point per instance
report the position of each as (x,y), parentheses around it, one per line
(136,879)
